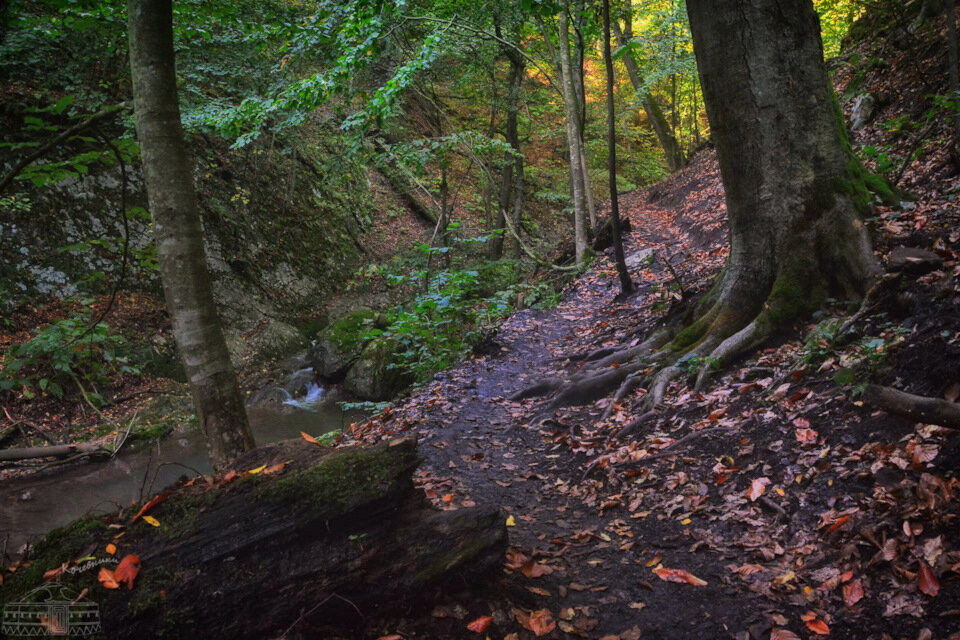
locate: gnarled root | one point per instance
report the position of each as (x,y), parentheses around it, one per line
(590,389)
(631,383)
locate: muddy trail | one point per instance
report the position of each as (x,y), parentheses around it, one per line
(773,503)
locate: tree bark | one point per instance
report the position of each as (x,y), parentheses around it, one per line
(626,285)
(908,405)
(794,189)
(321,548)
(671,148)
(178,234)
(573,135)
(513,168)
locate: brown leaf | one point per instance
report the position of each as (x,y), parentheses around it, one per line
(853,592)
(927,580)
(807,436)
(540,622)
(757,488)
(127,570)
(309,438)
(816,625)
(480,624)
(783,634)
(679,575)
(533,569)
(107,579)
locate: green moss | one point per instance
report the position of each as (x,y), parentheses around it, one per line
(179,514)
(150,594)
(691,335)
(60,545)
(441,565)
(796,292)
(347,332)
(858,183)
(329,489)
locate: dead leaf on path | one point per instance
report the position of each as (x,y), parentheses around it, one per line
(927,580)
(816,625)
(515,559)
(807,436)
(783,634)
(853,592)
(309,438)
(111,548)
(150,520)
(480,624)
(839,523)
(127,570)
(757,488)
(533,569)
(395,636)
(679,575)
(539,591)
(539,622)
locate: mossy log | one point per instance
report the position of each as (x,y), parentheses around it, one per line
(335,540)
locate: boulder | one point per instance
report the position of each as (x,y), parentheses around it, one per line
(339,345)
(913,261)
(375,374)
(864,108)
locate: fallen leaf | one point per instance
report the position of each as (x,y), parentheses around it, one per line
(853,592)
(927,580)
(679,575)
(533,569)
(480,624)
(757,488)
(807,436)
(277,468)
(106,579)
(816,625)
(153,522)
(111,548)
(256,471)
(53,575)
(539,622)
(309,438)
(839,523)
(448,497)
(395,636)
(157,499)
(783,634)
(127,570)
(511,522)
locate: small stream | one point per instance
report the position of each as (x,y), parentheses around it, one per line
(32,505)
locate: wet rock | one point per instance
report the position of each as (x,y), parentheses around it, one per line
(339,345)
(864,109)
(375,375)
(913,261)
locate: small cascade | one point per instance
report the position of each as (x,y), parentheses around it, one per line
(313,398)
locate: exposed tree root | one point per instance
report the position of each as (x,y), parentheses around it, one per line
(628,385)
(632,428)
(540,389)
(589,389)
(914,407)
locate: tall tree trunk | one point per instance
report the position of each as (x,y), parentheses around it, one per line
(793,186)
(510,172)
(671,149)
(626,286)
(178,235)
(580,85)
(573,135)
(954,62)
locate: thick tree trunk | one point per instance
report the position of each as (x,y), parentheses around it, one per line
(573,136)
(793,187)
(331,542)
(671,148)
(178,235)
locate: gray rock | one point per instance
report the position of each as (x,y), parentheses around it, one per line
(913,261)
(864,108)
(638,258)
(340,344)
(372,377)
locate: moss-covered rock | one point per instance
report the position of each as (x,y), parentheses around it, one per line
(377,374)
(340,344)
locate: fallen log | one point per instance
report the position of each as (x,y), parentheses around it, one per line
(56,451)
(320,547)
(918,408)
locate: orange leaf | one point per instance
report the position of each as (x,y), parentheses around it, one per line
(807,436)
(310,438)
(540,622)
(927,580)
(230,477)
(395,636)
(157,499)
(533,569)
(480,624)
(679,575)
(716,415)
(447,497)
(111,548)
(757,488)
(127,570)
(819,627)
(54,574)
(853,592)
(107,579)
(277,468)
(839,523)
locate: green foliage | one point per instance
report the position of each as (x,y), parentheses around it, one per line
(65,351)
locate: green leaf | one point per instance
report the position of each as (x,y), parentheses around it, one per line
(845,376)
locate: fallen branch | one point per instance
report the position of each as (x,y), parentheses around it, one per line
(918,408)
(58,451)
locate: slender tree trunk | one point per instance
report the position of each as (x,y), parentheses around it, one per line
(954,62)
(573,136)
(626,286)
(671,149)
(509,173)
(794,189)
(178,235)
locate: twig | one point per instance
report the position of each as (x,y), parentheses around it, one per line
(317,606)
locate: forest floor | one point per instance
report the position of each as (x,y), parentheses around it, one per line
(784,506)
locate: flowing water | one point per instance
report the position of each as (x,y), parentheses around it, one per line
(32,505)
